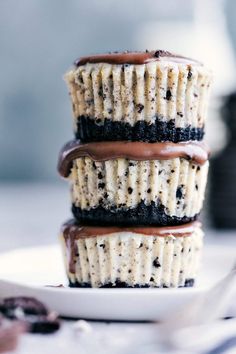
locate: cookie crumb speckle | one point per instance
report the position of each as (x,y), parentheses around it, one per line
(190,74)
(99,175)
(179,192)
(168,95)
(130,190)
(156,263)
(140,107)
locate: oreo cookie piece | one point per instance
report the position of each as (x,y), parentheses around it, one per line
(88,130)
(32,312)
(28,305)
(141,215)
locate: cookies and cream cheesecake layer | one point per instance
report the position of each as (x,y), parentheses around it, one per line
(131,256)
(150,96)
(133,182)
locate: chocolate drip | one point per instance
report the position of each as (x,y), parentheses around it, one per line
(140,151)
(136,58)
(73,230)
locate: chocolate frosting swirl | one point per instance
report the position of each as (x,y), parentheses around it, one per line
(75,231)
(140,151)
(136,58)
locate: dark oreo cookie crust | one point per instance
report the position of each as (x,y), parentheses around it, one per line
(141,215)
(90,130)
(119,284)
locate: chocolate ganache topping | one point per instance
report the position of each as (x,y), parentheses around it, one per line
(75,231)
(197,151)
(136,58)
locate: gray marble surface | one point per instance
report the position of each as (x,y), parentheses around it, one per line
(30,215)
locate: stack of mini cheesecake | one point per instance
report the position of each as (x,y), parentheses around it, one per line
(137,168)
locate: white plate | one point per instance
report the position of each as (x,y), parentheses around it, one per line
(27,271)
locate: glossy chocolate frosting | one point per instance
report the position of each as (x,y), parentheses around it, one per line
(136,58)
(75,231)
(102,151)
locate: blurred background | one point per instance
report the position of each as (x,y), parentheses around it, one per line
(40,39)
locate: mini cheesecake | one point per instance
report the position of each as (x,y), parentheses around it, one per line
(133,183)
(131,256)
(139,96)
